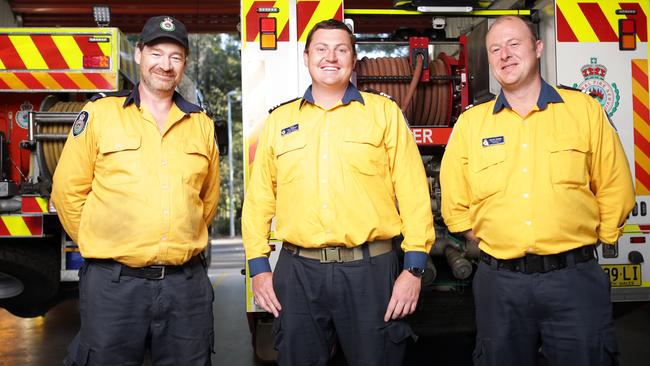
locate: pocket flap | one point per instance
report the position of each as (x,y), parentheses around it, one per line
(565,144)
(488,156)
(363,136)
(119,143)
(399,331)
(290,142)
(194,148)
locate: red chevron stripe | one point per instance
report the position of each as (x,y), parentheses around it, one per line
(88,48)
(34,224)
(4,85)
(64,80)
(339,13)
(641,143)
(8,54)
(564,32)
(99,81)
(642,176)
(640,19)
(3,229)
(51,54)
(253,19)
(640,108)
(305,10)
(29,80)
(598,22)
(284,35)
(640,75)
(29,205)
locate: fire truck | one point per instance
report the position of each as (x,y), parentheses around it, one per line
(434,74)
(46,75)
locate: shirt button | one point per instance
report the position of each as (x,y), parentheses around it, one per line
(530,250)
(119,146)
(525,195)
(324,156)
(164,237)
(524,145)
(164,163)
(325,205)
(528,222)
(166,212)
(324,181)
(525,170)
(164,186)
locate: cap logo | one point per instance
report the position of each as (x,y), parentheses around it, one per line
(167,25)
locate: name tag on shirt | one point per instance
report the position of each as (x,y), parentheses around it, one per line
(489,141)
(288,130)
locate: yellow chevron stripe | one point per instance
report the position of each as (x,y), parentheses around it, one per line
(10,79)
(42,203)
(45,79)
(324,10)
(2,65)
(641,190)
(106,47)
(641,158)
(28,52)
(111,78)
(16,225)
(631,228)
(81,81)
(577,21)
(640,92)
(282,18)
(641,125)
(70,50)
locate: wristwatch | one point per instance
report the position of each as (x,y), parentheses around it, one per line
(416,271)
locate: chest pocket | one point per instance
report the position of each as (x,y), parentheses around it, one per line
(121,158)
(290,155)
(195,164)
(568,159)
(363,151)
(488,171)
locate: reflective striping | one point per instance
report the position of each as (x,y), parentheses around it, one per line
(46,79)
(33,204)
(323,10)
(50,52)
(641,117)
(69,50)
(8,54)
(81,81)
(16,226)
(252,18)
(28,52)
(12,81)
(86,47)
(29,80)
(58,81)
(597,21)
(63,80)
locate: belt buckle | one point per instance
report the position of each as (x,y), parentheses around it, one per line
(533,264)
(162,272)
(330,255)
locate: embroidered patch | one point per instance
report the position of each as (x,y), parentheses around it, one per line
(167,25)
(489,141)
(80,123)
(288,130)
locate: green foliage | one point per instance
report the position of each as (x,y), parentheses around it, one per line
(215,66)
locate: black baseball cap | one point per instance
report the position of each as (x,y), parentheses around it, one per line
(164,26)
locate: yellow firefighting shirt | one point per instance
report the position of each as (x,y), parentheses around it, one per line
(335,177)
(126,191)
(545,183)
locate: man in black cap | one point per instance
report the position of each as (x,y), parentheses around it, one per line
(136,188)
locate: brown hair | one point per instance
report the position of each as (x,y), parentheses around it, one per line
(331,24)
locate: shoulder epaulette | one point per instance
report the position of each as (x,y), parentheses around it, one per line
(283,103)
(568,88)
(373,91)
(121,93)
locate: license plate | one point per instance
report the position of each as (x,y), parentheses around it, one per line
(623,275)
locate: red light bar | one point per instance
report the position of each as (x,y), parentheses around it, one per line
(96,62)
(637,240)
(626,35)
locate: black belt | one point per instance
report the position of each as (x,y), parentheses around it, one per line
(533,263)
(154,272)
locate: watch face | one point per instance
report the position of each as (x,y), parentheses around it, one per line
(418,272)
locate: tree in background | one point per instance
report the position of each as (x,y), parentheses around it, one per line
(215,66)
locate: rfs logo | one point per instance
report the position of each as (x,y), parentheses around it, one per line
(595,85)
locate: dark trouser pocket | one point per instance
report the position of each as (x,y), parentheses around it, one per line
(396,333)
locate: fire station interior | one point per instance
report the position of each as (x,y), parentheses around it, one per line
(433,65)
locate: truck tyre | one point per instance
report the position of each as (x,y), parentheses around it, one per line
(29,276)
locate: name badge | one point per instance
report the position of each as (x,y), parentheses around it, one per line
(288,130)
(489,141)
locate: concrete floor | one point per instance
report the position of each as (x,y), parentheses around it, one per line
(42,341)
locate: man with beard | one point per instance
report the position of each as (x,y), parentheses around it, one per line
(136,188)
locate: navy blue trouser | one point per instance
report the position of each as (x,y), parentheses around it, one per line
(568,311)
(122,316)
(322,301)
